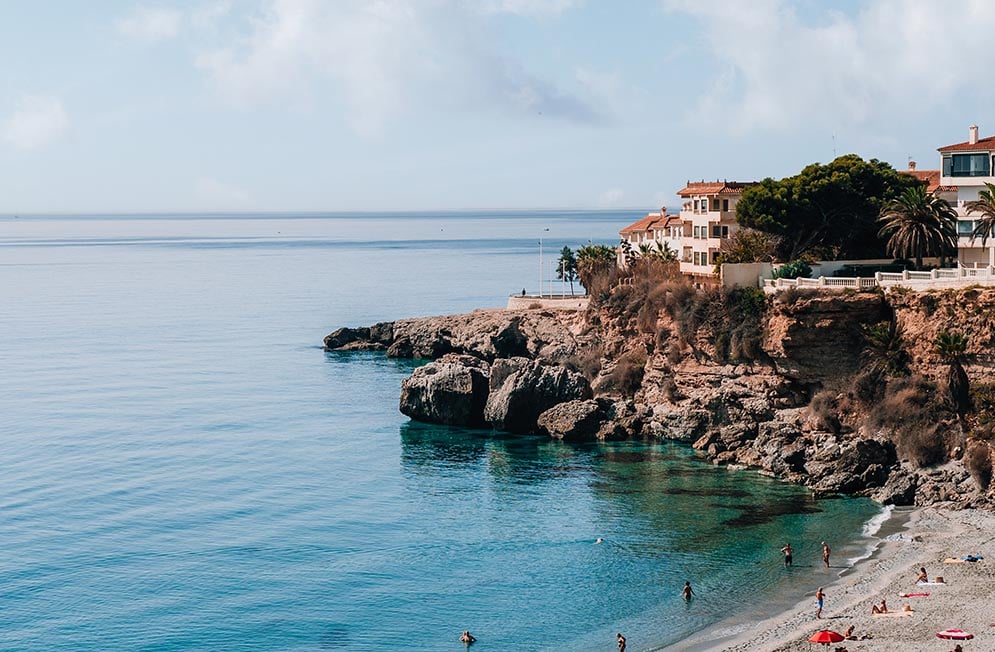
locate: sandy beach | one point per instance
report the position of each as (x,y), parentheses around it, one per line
(965,601)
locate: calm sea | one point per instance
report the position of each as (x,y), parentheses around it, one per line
(184,468)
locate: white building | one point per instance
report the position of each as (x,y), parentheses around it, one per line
(656,230)
(709,219)
(965,168)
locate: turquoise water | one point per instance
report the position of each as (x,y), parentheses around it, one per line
(184,468)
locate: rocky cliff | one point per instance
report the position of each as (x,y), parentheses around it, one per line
(785,384)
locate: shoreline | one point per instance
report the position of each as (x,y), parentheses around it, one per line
(907,540)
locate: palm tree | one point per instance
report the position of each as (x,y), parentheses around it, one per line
(951,347)
(985,205)
(884,351)
(918,223)
(567,269)
(594,261)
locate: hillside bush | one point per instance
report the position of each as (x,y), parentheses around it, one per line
(626,377)
(978,461)
(911,413)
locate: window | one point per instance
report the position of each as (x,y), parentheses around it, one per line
(715,204)
(716,231)
(970,165)
(948,166)
(715,258)
(965,228)
(725,231)
(725,204)
(697,258)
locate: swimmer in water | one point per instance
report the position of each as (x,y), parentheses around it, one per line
(600,540)
(467,638)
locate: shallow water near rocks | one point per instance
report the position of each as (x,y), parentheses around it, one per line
(185,468)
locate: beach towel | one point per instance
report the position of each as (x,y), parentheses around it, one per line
(913,595)
(951,560)
(893,614)
(930,583)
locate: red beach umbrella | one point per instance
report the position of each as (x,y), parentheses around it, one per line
(826,636)
(954,635)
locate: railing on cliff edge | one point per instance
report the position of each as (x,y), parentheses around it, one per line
(932,280)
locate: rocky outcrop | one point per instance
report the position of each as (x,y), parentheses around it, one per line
(573,421)
(522,389)
(452,391)
(486,334)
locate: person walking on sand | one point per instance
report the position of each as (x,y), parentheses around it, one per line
(787,550)
(687,592)
(819,597)
(621,642)
(825,554)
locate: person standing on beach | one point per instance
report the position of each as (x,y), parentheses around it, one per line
(687,592)
(787,550)
(819,597)
(621,642)
(825,554)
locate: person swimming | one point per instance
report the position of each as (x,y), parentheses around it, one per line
(467,638)
(599,540)
(687,592)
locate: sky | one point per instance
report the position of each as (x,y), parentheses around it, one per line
(393,105)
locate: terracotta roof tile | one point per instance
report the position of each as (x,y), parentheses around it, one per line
(982,145)
(641,225)
(932,180)
(714,188)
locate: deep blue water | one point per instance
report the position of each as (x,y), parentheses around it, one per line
(184,468)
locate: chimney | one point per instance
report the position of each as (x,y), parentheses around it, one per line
(912,166)
(973,131)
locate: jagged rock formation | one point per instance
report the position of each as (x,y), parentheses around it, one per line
(452,391)
(487,334)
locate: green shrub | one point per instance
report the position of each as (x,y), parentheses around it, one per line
(794,269)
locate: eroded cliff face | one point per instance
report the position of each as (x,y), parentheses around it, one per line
(655,377)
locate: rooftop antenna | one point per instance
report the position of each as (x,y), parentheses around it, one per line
(834,144)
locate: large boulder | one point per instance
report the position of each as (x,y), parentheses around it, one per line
(572,421)
(522,389)
(452,391)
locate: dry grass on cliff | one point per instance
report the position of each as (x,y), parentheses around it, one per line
(916,417)
(626,377)
(729,320)
(978,461)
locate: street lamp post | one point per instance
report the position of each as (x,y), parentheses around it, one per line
(540,262)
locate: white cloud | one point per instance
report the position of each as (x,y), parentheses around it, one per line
(382,57)
(150,24)
(778,69)
(218,194)
(37,121)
